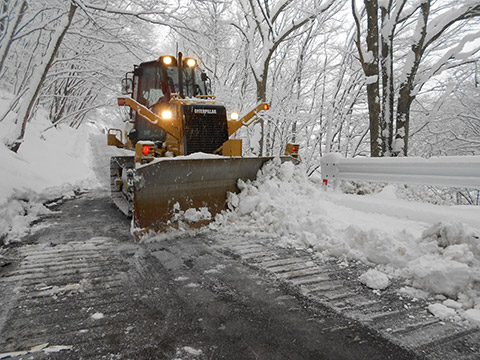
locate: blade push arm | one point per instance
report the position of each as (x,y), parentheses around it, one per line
(169,126)
(248,119)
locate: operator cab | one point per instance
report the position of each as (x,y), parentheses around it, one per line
(155,82)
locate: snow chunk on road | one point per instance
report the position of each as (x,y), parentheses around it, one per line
(473,315)
(375,279)
(441,311)
(36,349)
(413,293)
(97,316)
(187,351)
(57,348)
(453,304)
(440,276)
(192,351)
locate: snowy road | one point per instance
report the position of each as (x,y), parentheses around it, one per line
(80,288)
(278,278)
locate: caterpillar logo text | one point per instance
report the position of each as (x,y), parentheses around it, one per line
(205,111)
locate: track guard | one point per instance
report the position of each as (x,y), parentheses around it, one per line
(122,194)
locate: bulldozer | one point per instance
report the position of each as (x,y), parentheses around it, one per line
(184,154)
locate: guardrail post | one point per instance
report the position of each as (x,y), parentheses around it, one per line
(329,169)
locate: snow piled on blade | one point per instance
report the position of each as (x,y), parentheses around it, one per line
(401,239)
(191,215)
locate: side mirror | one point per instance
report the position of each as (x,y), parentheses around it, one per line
(207,83)
(127,86)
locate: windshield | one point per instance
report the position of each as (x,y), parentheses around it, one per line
(192,82)
(150,85)
(156,82)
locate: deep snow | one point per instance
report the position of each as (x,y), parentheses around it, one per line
(434,249)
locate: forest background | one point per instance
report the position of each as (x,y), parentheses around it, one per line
(358,77)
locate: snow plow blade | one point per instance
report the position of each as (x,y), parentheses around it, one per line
(164,188)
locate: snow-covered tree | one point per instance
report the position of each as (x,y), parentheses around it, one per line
(68,56)
(57,26)
(409,42)
(451,122)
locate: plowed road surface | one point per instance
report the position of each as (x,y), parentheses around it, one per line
(81,288)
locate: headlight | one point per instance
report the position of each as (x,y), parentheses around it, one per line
(191,62)
(167,60)
(167,114)
(234,116)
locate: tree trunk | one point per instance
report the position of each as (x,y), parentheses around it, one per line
(388,95)
(37,81)
(262,97)
(372,74)
(400,147)
(406,97)
(374,116)
(369,61)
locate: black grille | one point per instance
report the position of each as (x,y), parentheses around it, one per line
(205,128)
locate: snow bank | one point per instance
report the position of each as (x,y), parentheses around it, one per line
(401,239)
(17,213)
(48,164)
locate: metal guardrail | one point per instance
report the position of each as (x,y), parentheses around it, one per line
(449,171)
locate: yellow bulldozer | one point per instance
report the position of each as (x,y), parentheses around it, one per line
(183,155)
